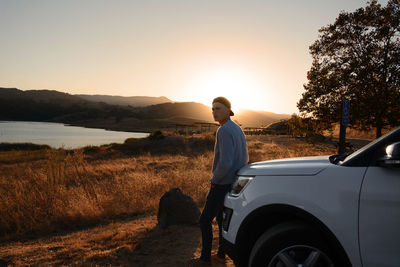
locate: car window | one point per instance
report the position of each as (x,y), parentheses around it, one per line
(363,156)
(364,148)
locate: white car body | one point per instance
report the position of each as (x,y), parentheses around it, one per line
(358,205)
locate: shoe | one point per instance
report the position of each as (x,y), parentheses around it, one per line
(198,262)
(217,259)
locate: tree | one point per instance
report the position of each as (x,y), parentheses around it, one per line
(303,127)
(357,58)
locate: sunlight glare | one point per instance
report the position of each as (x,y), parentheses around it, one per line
(238,85)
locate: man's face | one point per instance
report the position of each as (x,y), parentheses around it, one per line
(220,112)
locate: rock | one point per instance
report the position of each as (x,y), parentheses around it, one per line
(3,263)
(177,208)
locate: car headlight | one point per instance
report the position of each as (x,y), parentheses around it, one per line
(239,185)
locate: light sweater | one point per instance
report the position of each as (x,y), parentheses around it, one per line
(230,153)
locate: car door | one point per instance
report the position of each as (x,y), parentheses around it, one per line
(379,217)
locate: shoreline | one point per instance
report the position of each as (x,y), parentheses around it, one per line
(84,125)
(28,135)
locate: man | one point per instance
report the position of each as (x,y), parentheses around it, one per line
(230,154)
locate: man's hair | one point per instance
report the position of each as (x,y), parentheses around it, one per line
(224,102)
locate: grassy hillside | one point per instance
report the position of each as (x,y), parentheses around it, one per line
(50,190)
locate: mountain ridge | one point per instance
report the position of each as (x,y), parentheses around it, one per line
(134,101)
(55,106)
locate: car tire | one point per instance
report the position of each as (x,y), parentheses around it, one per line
(291,244)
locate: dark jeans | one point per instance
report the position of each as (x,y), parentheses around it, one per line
(213,208)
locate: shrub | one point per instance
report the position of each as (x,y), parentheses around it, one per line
(156,135)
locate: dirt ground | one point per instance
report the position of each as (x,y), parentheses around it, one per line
(134,242)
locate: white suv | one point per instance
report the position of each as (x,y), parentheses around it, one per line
(318,211)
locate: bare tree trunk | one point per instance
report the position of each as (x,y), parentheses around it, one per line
(378,130)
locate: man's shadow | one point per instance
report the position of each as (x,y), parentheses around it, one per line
(173,246)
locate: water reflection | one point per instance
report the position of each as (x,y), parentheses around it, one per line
(59,135)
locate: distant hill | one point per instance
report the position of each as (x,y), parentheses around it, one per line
(54,106)
(40,96)
(191,110)
(50,105)
(197,111)
(250,118)
(134,101)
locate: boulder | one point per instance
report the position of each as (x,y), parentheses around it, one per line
(4,263)
(177,208)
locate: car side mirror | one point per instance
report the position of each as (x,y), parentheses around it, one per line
(392,158)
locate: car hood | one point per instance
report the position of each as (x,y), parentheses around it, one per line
(306,166)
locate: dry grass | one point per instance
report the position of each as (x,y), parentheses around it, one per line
(22,155)
(276,147)
(358,134)
(105,245)
(71,189)
(134,242)
(66,191)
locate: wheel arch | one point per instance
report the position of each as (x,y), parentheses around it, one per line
(261,219)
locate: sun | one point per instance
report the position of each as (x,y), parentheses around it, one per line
(238,85)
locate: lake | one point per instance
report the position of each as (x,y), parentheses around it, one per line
(59,135)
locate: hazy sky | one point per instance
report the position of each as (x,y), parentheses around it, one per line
(253,52)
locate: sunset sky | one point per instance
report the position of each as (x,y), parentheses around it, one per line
(253,52)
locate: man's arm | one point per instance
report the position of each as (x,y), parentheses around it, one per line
(225,160)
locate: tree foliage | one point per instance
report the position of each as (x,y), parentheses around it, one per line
(307,127)
(357,58)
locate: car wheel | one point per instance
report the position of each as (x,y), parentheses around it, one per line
(291,244)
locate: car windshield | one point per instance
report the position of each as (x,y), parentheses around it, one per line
(361,150)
